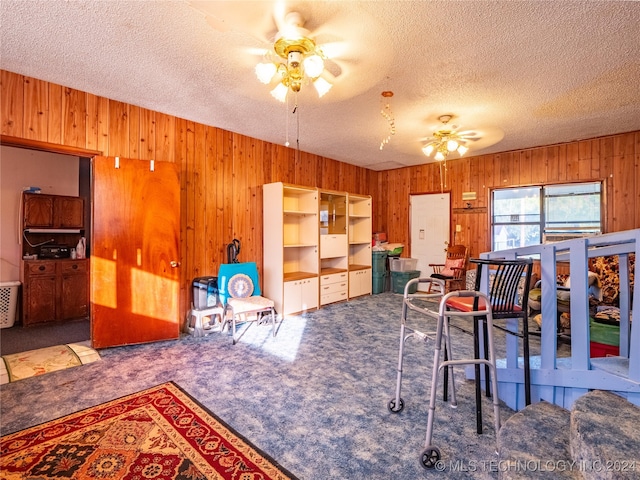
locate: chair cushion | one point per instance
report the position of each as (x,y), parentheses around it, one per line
(465,304)
(441,277)
(450,265)
(240,286)
(250,304)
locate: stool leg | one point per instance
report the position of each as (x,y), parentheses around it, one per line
(527,364)
(487,380)
(476,352)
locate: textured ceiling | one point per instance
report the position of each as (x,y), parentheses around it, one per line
(517,73)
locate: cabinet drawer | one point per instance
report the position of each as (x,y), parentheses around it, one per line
(333,287)
(40,268)
(333,278)
(73,267)
(332,297)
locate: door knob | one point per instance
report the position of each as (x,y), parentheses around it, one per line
(174,264)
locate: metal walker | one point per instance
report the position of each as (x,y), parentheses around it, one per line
(431,454)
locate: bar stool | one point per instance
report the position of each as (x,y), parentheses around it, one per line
(201,328)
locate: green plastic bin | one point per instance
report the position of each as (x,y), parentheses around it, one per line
(379,262)
(399,281)
(605,334)
(378,282)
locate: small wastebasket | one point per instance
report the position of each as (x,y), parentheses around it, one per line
(8,303)
(205,292)
(399,281)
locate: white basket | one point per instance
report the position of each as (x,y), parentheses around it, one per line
(8,303)
(403,264)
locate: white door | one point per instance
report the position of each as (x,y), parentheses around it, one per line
(429,217)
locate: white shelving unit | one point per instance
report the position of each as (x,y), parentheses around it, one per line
(333,247)
(290,217)
(359,233)
(317,246)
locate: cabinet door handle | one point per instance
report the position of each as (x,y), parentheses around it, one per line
(41,268)
(75,267)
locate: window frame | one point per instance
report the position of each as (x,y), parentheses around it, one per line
(542,223)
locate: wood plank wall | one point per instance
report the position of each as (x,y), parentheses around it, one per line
(614,159)
(221,173)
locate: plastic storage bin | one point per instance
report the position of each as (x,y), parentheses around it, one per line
(205,292)
(403,264)
(400,279)
(605,339)
(379,262)
(8,303)
(378,282)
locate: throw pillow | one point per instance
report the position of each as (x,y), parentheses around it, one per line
(240,286)
(450,265)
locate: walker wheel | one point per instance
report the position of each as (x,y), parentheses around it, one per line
(392,405)
(430,456)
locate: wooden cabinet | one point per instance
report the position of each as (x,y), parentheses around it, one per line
(54,290)
(290,216)
(359,232)
(52,211)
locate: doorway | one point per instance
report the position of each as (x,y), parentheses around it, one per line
(429,224)
(55,173)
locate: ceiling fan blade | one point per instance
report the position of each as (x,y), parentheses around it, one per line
(252,18)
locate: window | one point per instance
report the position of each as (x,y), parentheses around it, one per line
(530,215)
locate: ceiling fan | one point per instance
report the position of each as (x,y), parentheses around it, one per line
(448,138)
(299,43)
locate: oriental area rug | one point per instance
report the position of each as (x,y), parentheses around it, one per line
(159,433)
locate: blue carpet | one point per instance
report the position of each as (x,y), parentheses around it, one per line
(314,397)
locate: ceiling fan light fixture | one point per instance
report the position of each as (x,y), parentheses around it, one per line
(297,58)
(428,149)
(280,92)
(322,86)
(313,66)
(445,141)
(265,72)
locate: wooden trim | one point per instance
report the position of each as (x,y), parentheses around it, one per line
(470,210)
(46,146)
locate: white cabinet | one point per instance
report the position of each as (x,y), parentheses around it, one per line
(333,246)
(300,295)
(290,241)
(334,287)
(360,282)
(317,246)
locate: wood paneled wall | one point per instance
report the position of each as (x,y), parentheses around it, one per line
(221,173)
(614,159)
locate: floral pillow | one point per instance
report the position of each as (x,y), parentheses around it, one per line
(240,286)
(450,266)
